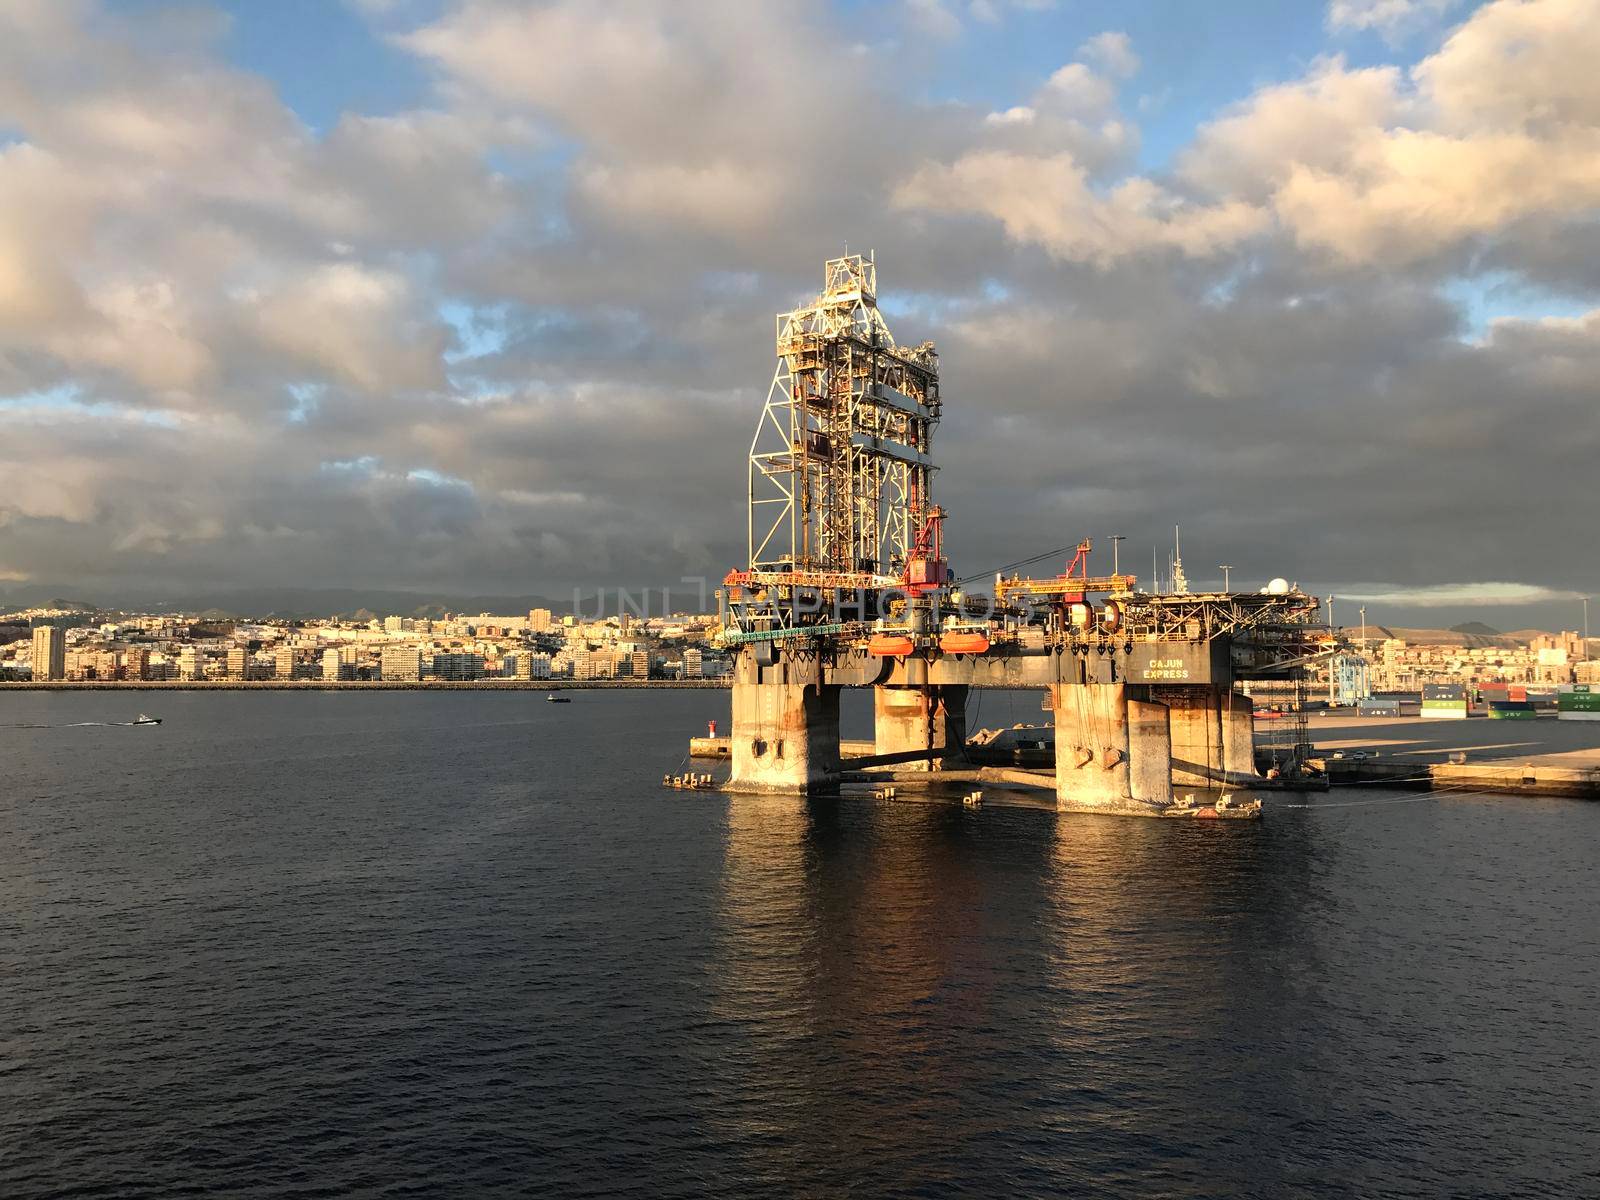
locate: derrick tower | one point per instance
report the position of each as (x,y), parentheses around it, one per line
(841,471)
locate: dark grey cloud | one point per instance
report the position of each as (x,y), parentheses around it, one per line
(519,341)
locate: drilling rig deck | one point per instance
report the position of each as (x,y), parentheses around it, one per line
(847,585)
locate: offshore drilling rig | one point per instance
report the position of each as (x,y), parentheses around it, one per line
(847,585)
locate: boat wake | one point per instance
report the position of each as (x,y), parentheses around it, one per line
(80,724)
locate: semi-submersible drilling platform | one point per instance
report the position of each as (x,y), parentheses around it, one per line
(847,585)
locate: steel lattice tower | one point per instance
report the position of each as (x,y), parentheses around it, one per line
(841,471)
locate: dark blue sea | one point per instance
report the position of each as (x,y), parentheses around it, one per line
(463,944)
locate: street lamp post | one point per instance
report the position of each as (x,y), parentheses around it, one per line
(1332,655)
(1225,568)
(1116,561)
(1365,688)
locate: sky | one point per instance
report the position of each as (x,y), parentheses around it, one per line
(476,296)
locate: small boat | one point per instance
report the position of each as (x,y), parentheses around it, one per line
(552,699)
(689,783)
(144,720)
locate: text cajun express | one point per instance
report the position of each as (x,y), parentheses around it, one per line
(1167,668)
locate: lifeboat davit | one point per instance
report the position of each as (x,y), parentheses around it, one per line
(890,645)
(1111,617)
(964,642)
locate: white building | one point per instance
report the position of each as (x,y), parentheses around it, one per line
(403,663)
(49,652)
(455,666)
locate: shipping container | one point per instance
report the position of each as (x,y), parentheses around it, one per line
(1444,691)
(1511,710)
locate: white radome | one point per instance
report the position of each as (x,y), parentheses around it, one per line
(1278,587)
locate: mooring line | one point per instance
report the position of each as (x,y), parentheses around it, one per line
(1387,800)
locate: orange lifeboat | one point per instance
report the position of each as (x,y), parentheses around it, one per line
(964,642)
(890,645)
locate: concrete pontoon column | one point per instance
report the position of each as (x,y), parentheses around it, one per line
(1239,737)
(920,718)
(1196,734)
(1113,753)
(1212,735)
(785,732)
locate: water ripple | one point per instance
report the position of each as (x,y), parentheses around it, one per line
(410,944)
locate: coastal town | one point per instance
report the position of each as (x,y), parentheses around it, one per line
(85,646)
(1380,668)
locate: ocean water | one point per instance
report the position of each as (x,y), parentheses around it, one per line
(464,944)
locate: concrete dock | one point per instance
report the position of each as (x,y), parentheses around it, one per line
(1544,742)
(1542,757)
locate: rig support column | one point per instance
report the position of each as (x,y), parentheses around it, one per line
(785,730)
(920,718)
(1239,737)
(1212,735)
(1113,753)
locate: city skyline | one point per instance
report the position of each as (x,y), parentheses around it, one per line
(388,296)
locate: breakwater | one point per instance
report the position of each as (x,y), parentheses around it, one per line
(361,685)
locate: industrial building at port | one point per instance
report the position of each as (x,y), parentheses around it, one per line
(1539,674)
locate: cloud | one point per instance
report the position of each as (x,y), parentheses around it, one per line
(933,18)
(354,324)
(1389,17)
(1049,202)
(168,229)
(1113,52)
(1464,595)
(516,338)
(994,11)
(1495,133)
